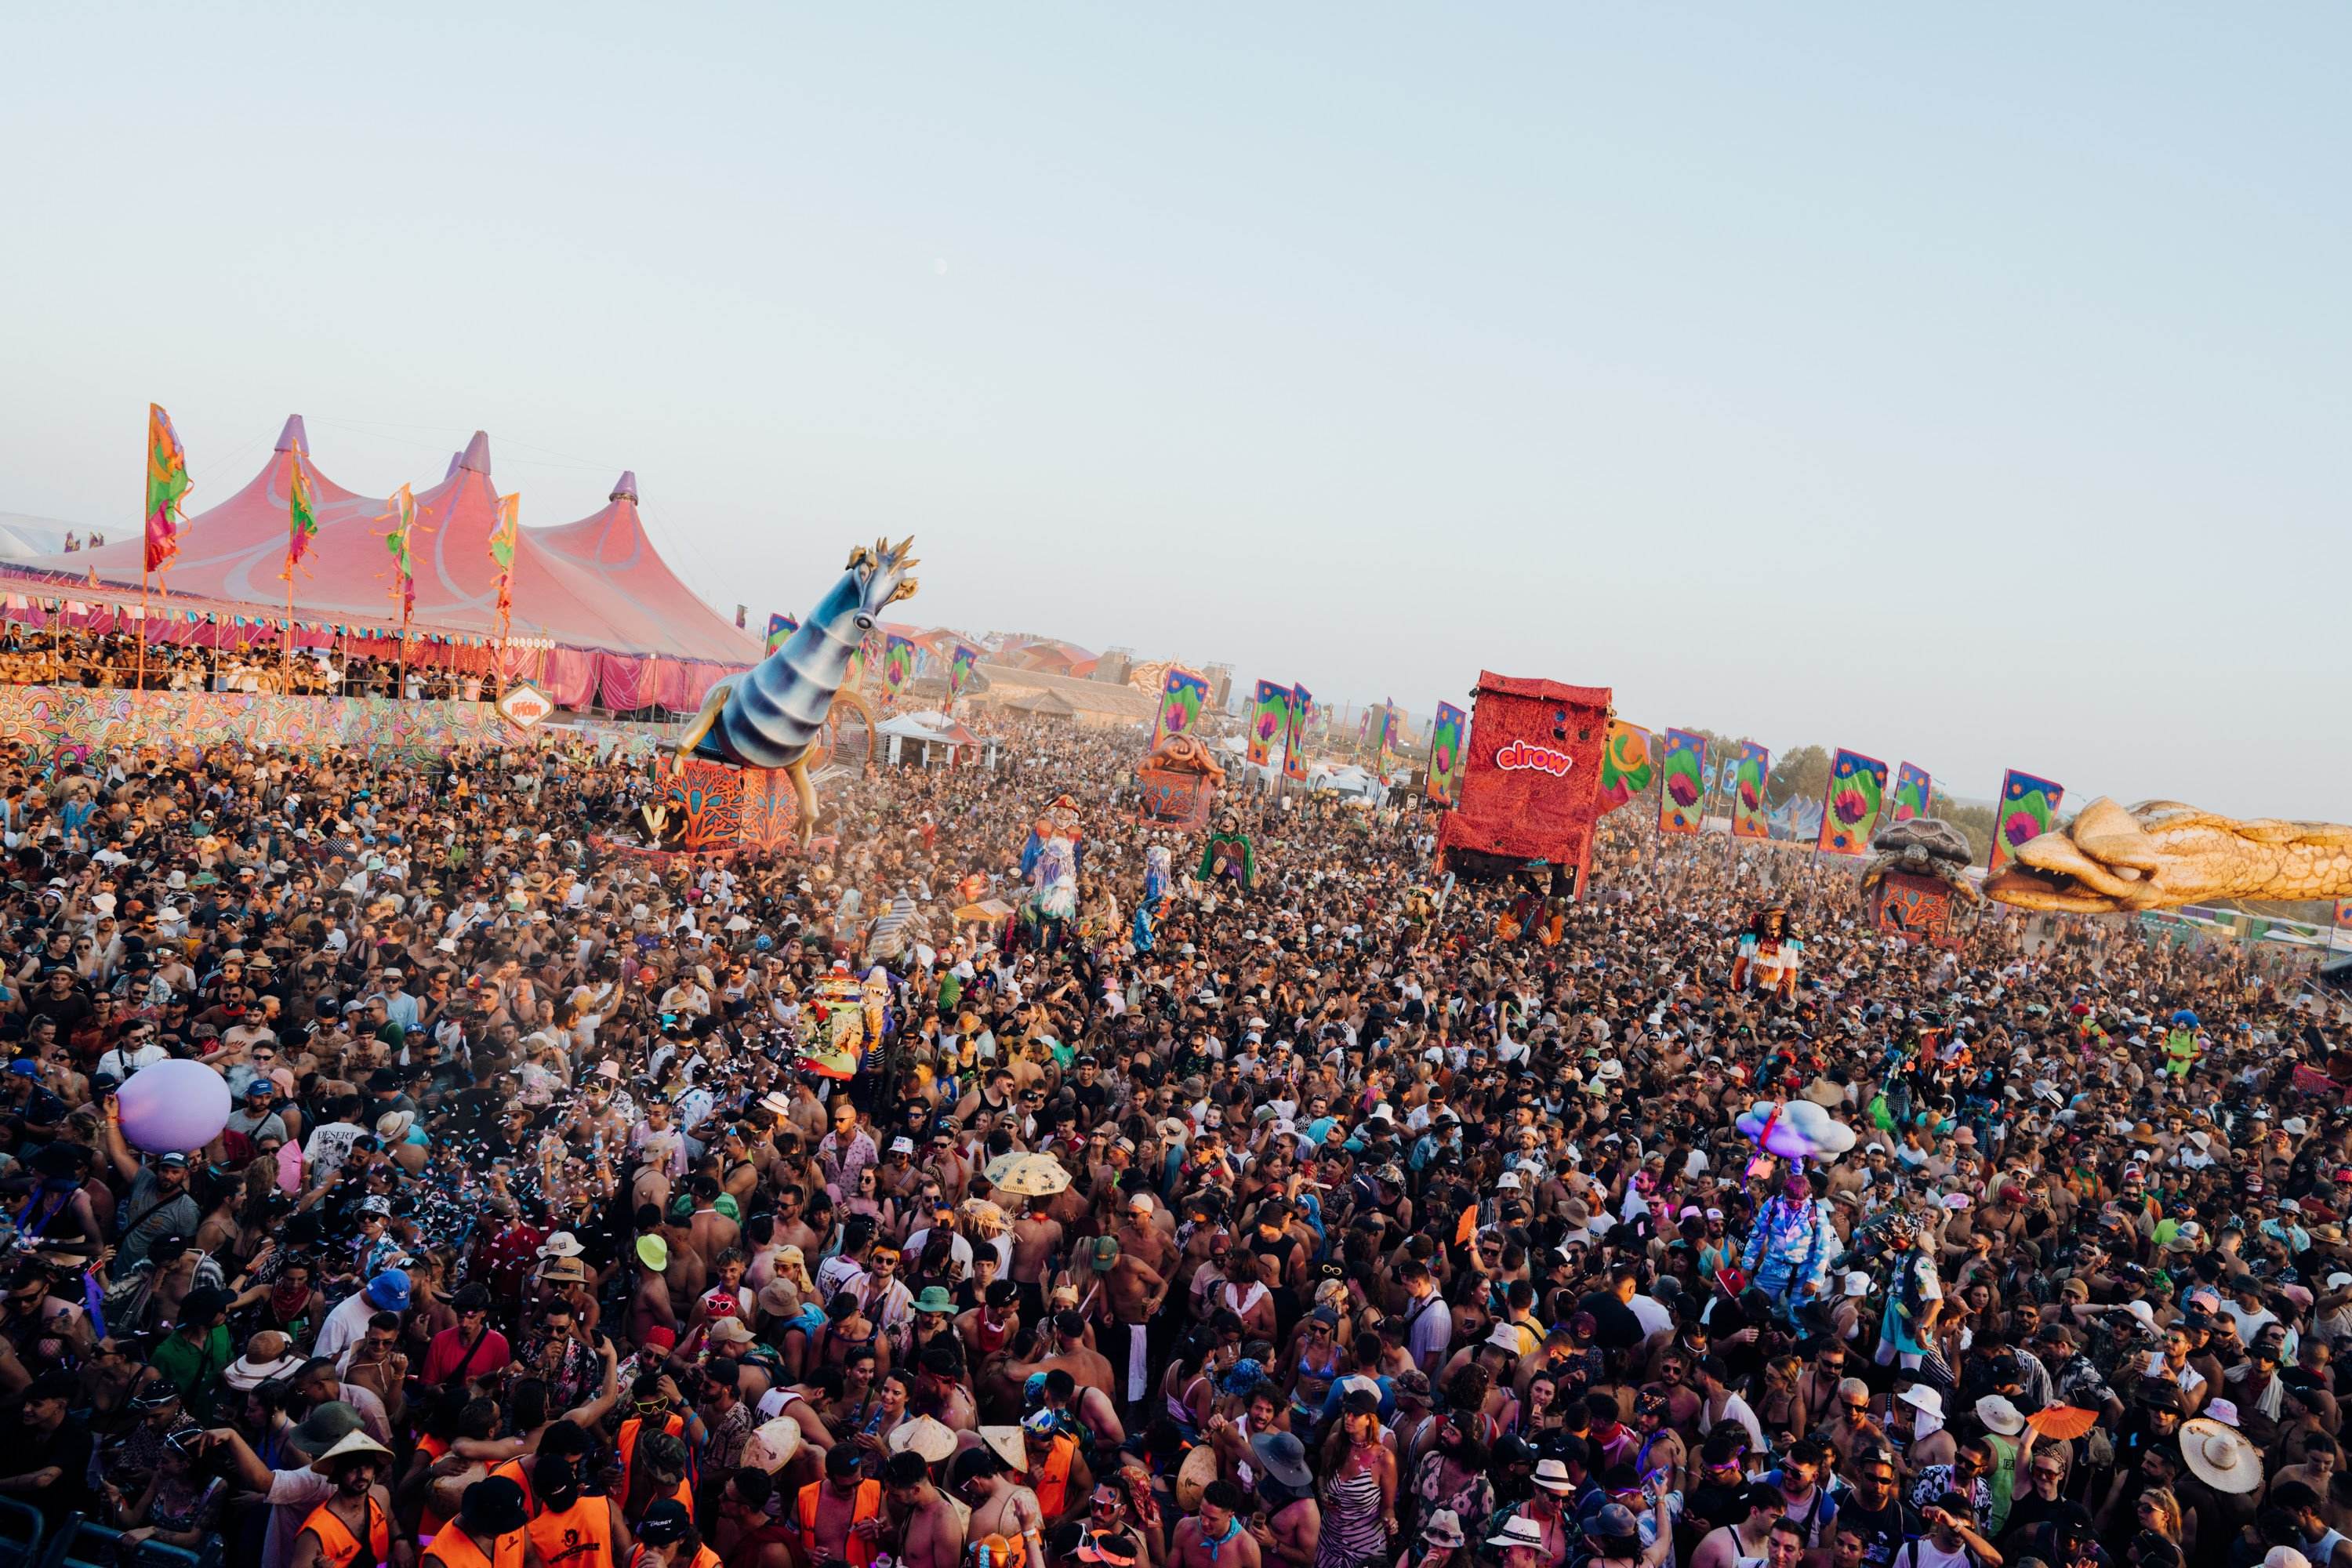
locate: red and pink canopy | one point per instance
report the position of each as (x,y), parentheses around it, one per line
(609,621)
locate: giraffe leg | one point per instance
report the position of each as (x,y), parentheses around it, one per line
(715,699)
(805,793)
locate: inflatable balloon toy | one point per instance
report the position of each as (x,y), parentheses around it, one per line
(780,713)
(172,1107)
(1792,1246)
(1796,1129)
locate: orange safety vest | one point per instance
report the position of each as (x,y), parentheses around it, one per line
(512,1470)
(579,1537)
(1053,1486)
(338,1545)
(866,1505)
(674,1424)
(452,1548)
(432,1521)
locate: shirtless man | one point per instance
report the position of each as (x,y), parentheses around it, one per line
(1139,1234)
(1087,1367)
(1133,1292)
(1036,1238)
(1203,1540)
(930,1531)
(999,1504)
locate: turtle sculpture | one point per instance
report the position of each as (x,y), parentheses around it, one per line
(1924,846)
(774,715)
(2161,854)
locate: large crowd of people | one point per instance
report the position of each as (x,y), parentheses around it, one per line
(57,656)
(1360,1217)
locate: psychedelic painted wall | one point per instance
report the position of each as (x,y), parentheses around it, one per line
(57,719)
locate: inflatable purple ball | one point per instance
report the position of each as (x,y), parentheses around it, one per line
(172,1107)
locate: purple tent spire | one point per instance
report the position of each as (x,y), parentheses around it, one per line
(626,488)
(294,438)
(477,454)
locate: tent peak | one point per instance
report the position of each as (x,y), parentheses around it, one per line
(626,487)
(477,455)
(294,438)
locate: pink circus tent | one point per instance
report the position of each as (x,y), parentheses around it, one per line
(597,615)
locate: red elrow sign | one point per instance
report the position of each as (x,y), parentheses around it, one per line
(1519,755)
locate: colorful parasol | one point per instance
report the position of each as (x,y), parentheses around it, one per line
(1030,1176)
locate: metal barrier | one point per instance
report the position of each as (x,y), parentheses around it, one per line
(83,1543)
(19,1551)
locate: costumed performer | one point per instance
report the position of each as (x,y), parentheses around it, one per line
(1770,955)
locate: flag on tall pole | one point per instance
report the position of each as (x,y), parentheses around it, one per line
(1913,790)
(1183,694)
(1745,774)
(1682,800)
(780,627)
(301,517)
(1850,804)
(960,665)
(401,540)
(1445,754)
(2028,808)
(1269,722)
(1294,739)
(167,481)
(503,540)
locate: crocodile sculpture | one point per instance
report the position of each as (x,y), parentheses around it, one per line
(772,715)
(2161,854)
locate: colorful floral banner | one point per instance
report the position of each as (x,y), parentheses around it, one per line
(1183,694)
(2344,912)
(1913,790)
(1269,721)
(1445,754)
(898,663)
(1745,773)
(1850,806)
(1682,801)
(1294,749)
(1626,764)
(960,663)
(2029,807)
(780,627)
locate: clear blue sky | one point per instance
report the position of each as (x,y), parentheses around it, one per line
(1966,386)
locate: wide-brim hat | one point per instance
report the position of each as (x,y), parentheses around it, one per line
(2221,1457)
(327,1425)
(2001,1416)
(1919,1396)
(1284,1457)
(1193,1477)
(246,1374)
(929,1439)
(1518,1531)
(1005,1443)
(772,1444)
(352,1442)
